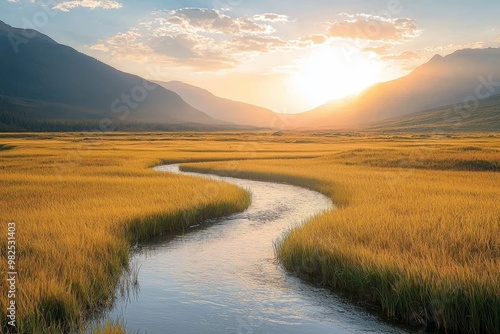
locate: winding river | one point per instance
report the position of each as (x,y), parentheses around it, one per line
(222,276)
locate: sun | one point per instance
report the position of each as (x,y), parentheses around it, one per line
(333,72)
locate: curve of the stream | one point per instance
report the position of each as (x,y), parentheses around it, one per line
(222,277)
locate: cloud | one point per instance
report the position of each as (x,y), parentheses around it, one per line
(99,47)
(497,40)
(66,6)
(209,21)
(256,44)
(205,39)
(271,17)
(375,28)
(127,45)
(314,39)
(202,39)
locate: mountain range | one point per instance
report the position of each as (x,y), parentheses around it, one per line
(464,76)
(481,117)
(43,80)
(221,108)
(46,86)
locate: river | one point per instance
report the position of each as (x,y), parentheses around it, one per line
(222,277)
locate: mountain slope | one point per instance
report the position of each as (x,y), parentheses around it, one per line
(441,81)
(39,69)
(483,118)
(221,108)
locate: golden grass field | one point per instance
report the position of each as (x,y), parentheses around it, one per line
(416,232)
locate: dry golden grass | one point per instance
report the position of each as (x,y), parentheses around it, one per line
(421,242)
(424,243)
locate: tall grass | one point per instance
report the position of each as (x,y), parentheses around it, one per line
(422,244)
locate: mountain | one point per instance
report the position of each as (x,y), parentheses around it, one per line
(466,75)
(43,81)
(221,108)
(483,117)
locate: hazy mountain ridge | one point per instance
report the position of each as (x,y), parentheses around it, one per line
(43,70)
(440,82)
(222,108)
(483,117)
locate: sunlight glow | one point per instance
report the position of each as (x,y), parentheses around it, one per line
(332,73)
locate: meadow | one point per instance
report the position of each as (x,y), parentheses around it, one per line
(416,233)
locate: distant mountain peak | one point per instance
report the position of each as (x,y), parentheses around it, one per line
(436,57)
(20,35)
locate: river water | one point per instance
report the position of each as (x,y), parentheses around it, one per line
(222,276)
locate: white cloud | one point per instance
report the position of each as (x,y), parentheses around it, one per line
(66,6)
(271,17)
(209,21)
(375,28)
(99,47)
(210,39)
(259,44)
(313,39)
(128,45)
(204,39)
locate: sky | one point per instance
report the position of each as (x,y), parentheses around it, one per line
(288,56)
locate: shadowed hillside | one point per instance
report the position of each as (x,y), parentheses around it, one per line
(36,68)
(484,118)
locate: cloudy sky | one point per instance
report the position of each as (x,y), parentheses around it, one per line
(289,56)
